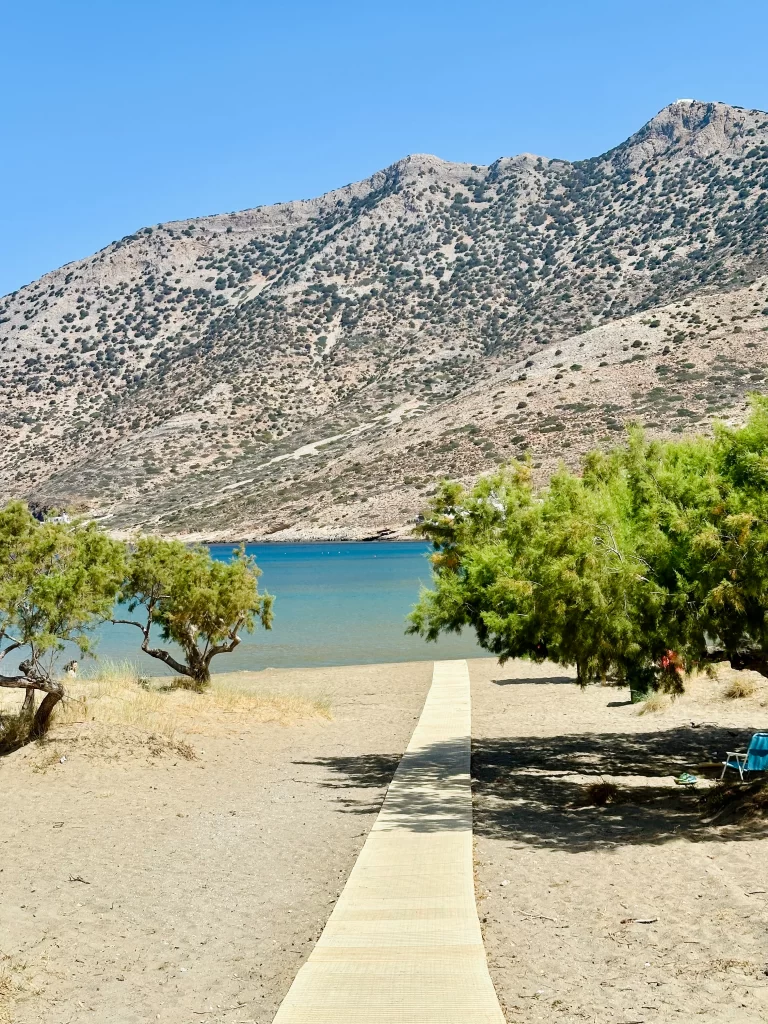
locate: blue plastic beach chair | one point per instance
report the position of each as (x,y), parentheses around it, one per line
(755,759)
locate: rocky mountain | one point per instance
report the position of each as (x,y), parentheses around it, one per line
(313,368)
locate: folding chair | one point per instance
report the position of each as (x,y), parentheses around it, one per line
(755,759)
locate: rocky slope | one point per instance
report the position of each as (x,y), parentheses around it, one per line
(312,368)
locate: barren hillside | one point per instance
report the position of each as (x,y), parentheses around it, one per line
(313,368)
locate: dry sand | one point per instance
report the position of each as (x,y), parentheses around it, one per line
(206,882)
(557,946)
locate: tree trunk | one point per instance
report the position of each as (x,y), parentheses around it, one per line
(203,676)
(42,717)
(199,667)
(28,707)
(749,660)
(31,682)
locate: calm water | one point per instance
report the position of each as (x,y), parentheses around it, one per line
(336,604)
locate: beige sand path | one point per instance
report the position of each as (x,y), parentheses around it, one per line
(403,944)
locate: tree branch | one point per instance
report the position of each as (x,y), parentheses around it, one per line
(14,647)
(223,648)
(31,682)
(740,660)
(161,655)
(127,622)
(226,648)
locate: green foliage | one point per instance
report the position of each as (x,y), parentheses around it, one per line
(654,560)
(57,581)
(199,603)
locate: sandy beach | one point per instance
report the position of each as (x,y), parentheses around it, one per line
(207,881)
(561,885)
(141,885)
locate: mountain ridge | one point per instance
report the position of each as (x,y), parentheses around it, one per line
(212,347)
(376,177)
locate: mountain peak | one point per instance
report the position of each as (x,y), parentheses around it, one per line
(694,128)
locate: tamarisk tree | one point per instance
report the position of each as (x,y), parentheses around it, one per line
(57,582)
(198,603)
(651,562)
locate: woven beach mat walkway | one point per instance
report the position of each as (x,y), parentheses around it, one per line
(403,944)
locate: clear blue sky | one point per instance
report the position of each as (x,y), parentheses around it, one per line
(118,114)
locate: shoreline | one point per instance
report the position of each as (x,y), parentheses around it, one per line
(210,541)
(290,542)
(344,666)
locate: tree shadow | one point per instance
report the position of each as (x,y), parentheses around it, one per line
(361,771)
(430,791)
(11,745)
(535,680)
(534,790)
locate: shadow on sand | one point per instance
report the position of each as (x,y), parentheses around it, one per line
(431,790)
(531,790)
(536,681)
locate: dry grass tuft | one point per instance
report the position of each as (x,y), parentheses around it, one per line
(50,756)
(740,686)
(654,703)
(115,709)
(113,672)
(113,696)
(13,983)
(227,697)
(6,995)
(117,695)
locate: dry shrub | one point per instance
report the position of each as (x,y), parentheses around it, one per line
(14,728)
(740,686)
(158,745)
(600,794)
(731,802)
(654,703)
(186,683)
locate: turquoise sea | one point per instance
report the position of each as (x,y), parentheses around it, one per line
(335,604)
